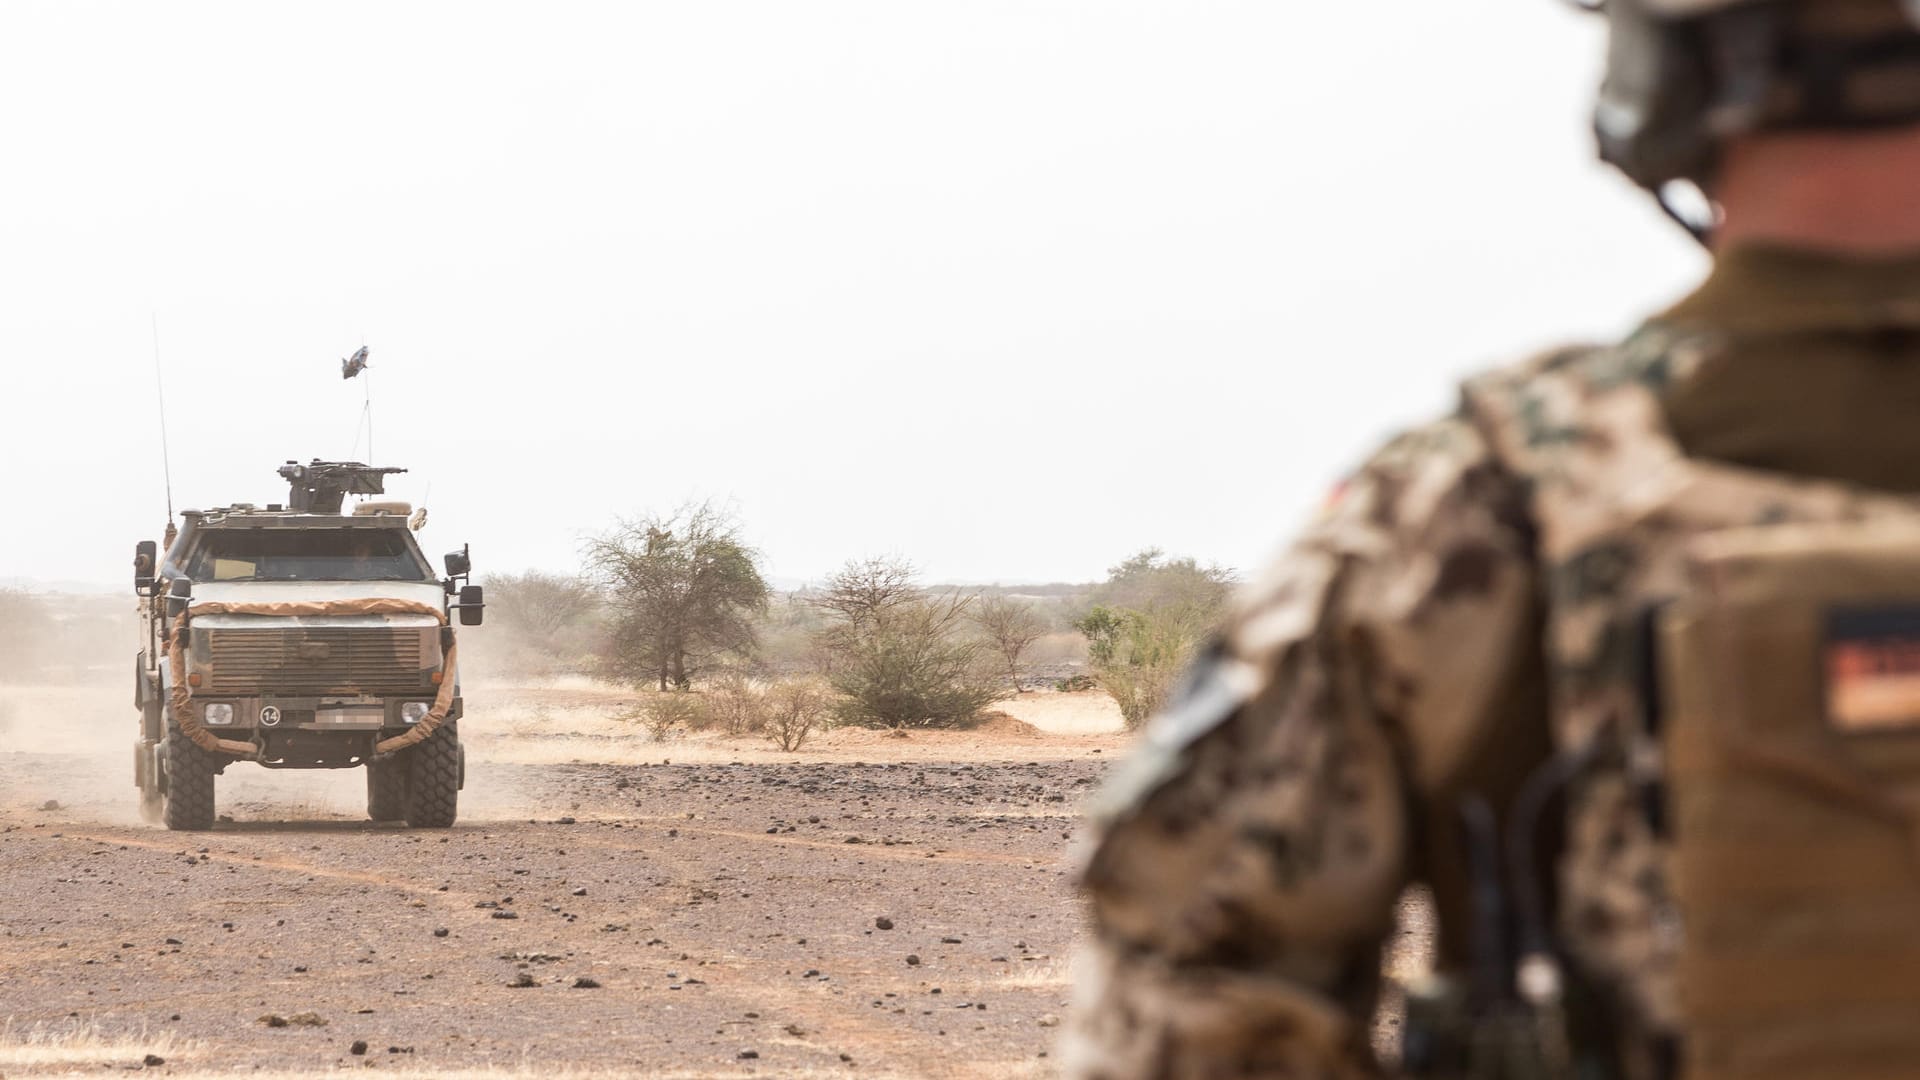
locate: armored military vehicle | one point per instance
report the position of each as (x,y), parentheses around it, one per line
(301,635)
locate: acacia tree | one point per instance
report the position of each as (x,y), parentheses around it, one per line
(898,656)
(684,591)
(1012,626)
(549,619)
(857,598)
(540,605)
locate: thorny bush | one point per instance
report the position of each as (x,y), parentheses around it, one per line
(793,709)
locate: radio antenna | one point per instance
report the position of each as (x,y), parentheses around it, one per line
(367,384)
(356,366)
(160,391)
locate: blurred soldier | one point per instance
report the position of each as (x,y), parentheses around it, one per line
(1473,670)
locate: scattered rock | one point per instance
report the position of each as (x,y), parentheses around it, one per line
(358,1048)
(563,821)
(50,804)
(584,983)
(949,941)
(440,932)
(748,1055)
(500,914)
(522,981)
(1049,1020)
(795,1030)
(153,1061)
(913,959)
(581,891)
(299,1019)
(883,923)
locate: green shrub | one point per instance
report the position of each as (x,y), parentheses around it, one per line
(1152,614)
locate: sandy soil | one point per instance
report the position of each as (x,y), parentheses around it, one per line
(723,899)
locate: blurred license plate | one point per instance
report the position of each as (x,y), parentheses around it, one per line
(359,716)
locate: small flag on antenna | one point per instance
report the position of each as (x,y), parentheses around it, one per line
(354,364)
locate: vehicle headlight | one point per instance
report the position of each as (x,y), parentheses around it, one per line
(218,712)
(414,711)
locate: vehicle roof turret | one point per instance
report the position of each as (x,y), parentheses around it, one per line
(320,487)
(316,497)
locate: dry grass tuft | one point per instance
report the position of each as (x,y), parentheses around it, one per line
(45,1048)
(544,1073)
(1039,975)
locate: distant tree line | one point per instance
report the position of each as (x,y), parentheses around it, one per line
(676,601)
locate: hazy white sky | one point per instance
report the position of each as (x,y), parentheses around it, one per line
(1012,289)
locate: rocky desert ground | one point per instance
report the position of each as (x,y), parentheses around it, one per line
(608,905)
(870,906)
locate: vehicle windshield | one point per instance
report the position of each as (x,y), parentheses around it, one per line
(304,555)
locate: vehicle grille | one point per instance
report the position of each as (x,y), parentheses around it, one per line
(330,659)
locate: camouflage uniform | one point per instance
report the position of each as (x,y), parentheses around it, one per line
(1470,602)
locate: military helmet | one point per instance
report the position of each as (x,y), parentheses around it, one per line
(1684,75)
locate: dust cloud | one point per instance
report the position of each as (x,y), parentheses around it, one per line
(71,745)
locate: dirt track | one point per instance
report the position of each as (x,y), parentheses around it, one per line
(727,912)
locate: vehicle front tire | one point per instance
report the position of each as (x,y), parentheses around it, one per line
(188,804)
(433,780)
(387,790)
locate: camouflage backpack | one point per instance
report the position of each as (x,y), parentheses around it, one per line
(1735,659)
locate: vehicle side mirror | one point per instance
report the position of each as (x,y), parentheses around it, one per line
(178,594)
(459,563)
(145,554)
(472,606)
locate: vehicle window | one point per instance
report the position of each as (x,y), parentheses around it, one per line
(304,555)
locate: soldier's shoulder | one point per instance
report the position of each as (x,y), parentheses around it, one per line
(1542,414)
(1651,357)
(1487,397)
